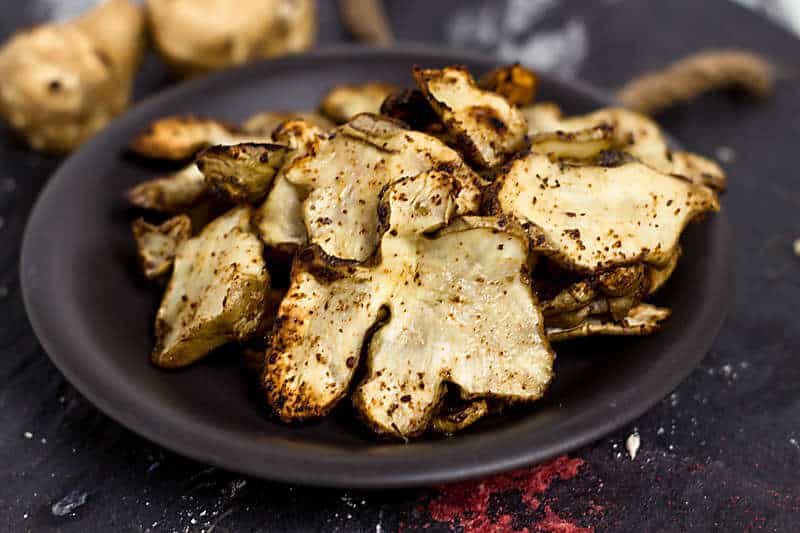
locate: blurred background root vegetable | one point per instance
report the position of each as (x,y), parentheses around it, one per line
(198,36)
(61,83)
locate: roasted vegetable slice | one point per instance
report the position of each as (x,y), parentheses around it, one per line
(411,107)
(486,128)
(644,319)
(582,145)
(280,217)
(453,307)
(171,194)
(178,138)
(343,179)
(266,122)
(515,83)
(451,419)
(217,292)
(242,172)
(613,291)
(592,218)
(157,245)
(61,83)
(633,133)
(344,102)
(658,276)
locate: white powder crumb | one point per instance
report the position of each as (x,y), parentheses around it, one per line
(673,399)
(25,516)
(28,435)
(43,440)
(193,521)
(796,247)
(671,447)
(793,442)
(69,503)
(660,431)
(726,370)
(378,528)
(632,444)
(726,154)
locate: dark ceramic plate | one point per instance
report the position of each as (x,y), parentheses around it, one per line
(94,316)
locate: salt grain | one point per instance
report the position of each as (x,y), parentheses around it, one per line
(632,444)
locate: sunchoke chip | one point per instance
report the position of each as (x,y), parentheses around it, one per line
(217,293)
(157,245)
(344,102)
(644,319)
(453,307)
(197,36)
(591,218)
(631,132)
(174,193)
(483,124)
(242,172)
(61,83)
(515,83)
(266,122)
(181,137)
(280,217)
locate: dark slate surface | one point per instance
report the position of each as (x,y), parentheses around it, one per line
(722,453)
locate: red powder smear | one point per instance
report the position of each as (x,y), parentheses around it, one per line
(467,503)
(552,523)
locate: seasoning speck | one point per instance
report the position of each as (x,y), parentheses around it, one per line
(632,444)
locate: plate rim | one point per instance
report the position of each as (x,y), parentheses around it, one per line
(279,469)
